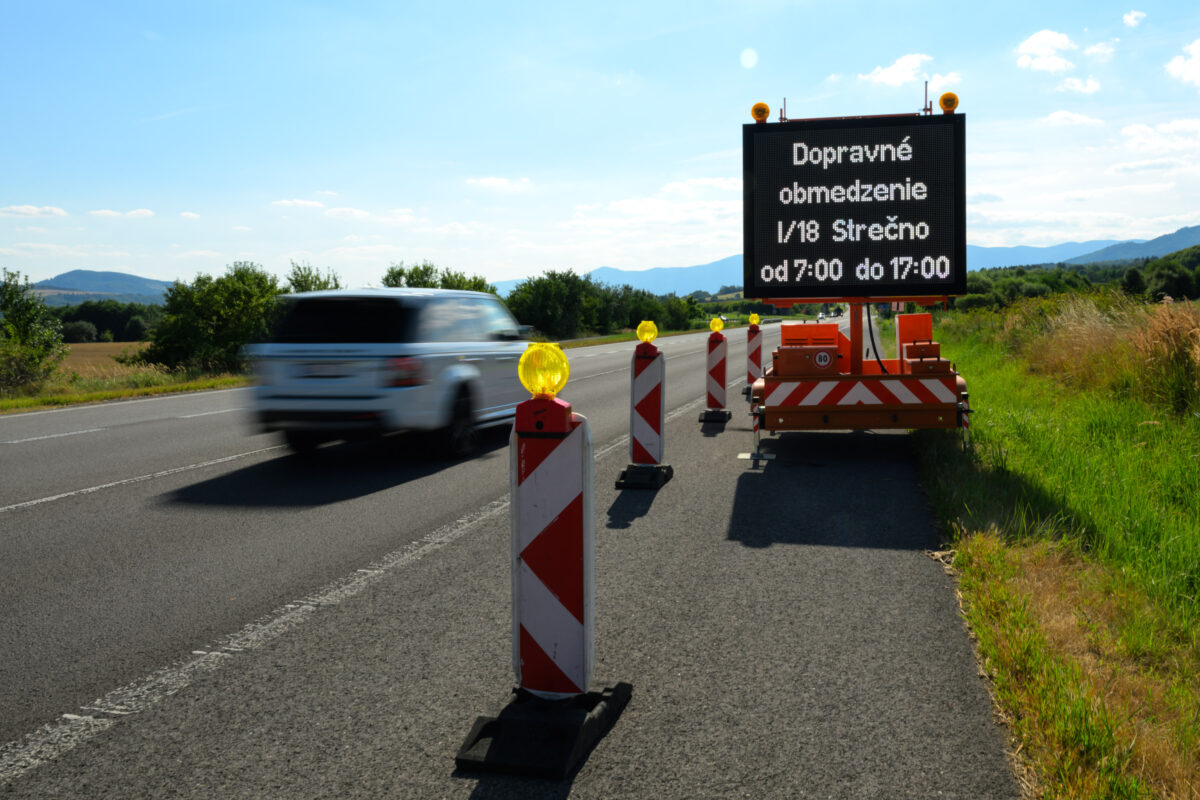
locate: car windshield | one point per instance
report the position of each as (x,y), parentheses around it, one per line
(345,320)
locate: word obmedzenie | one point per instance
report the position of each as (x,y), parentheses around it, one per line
(857,192)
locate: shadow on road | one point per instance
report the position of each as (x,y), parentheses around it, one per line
(856,489)
(333,474)
(630,505)
(506,787)
(841,489)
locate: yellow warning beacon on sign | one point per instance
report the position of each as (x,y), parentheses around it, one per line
(647,331)
(543,369)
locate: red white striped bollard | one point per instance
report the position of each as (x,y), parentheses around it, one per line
(551,525)
(753,356)
(715,375)
(647,403)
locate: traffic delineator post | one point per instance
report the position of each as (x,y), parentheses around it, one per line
(647,403)
(718,348)
(552,718)
(754,369)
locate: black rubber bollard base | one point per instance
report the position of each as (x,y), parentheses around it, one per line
(542,738)
(716,415)
(645,476)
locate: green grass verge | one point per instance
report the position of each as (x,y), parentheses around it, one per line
(1076,520)
(55,399)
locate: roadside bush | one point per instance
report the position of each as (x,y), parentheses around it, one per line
(206,324)
(31,339)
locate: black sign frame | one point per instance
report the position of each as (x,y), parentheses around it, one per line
(948,202)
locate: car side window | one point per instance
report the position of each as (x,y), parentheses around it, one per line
(439,321)
(498,324)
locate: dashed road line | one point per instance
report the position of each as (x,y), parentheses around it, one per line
(161,474)
(52,436)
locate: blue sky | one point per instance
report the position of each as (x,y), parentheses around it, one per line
(168,139)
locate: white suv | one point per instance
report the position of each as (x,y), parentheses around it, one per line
(348,364)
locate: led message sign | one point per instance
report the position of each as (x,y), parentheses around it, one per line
(856,207)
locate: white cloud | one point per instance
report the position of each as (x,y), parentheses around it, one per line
(139,213)
(397,216)
(1041,52)
(905,69)
(1186,69)
(501,184)
(294,203)
(1102,51)
(189,215)
(684,217)
(1070,118)
(749,58)
(348,214)
(1148,165)
(1133,18)
(1090,86)
(1180,134)
(939,82)
(32,211)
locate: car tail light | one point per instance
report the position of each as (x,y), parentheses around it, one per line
(406,371)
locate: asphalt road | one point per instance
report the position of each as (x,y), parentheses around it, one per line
(187,610)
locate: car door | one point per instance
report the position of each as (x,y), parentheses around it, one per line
(501,334)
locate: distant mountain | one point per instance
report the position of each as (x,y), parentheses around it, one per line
(80,285)
(987,257)
(664,280)
(1168,243)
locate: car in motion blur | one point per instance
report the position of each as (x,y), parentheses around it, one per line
(351,364)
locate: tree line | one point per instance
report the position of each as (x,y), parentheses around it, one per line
(204,324)
(1175,275)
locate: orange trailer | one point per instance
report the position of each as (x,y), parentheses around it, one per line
(819,379)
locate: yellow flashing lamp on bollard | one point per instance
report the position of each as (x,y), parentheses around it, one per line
(647,331)
(754,319)
(760,112)
(716,325)
(948,102)
(543,369)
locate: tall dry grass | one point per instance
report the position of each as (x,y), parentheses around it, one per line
(1106,340)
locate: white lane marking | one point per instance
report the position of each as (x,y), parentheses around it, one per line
(71,730)
(210,413)
(87,406)
(56,738)
(52,436)
(162,474)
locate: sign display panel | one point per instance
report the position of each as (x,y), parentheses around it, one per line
(856,207)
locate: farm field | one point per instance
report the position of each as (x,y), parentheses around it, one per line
(90,374)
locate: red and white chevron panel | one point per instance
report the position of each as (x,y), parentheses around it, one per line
(753,354)
(717,350)
(895,391)
(552,560)
(646,406)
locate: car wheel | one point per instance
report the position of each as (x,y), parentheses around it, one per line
(461,437)
(302,442)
